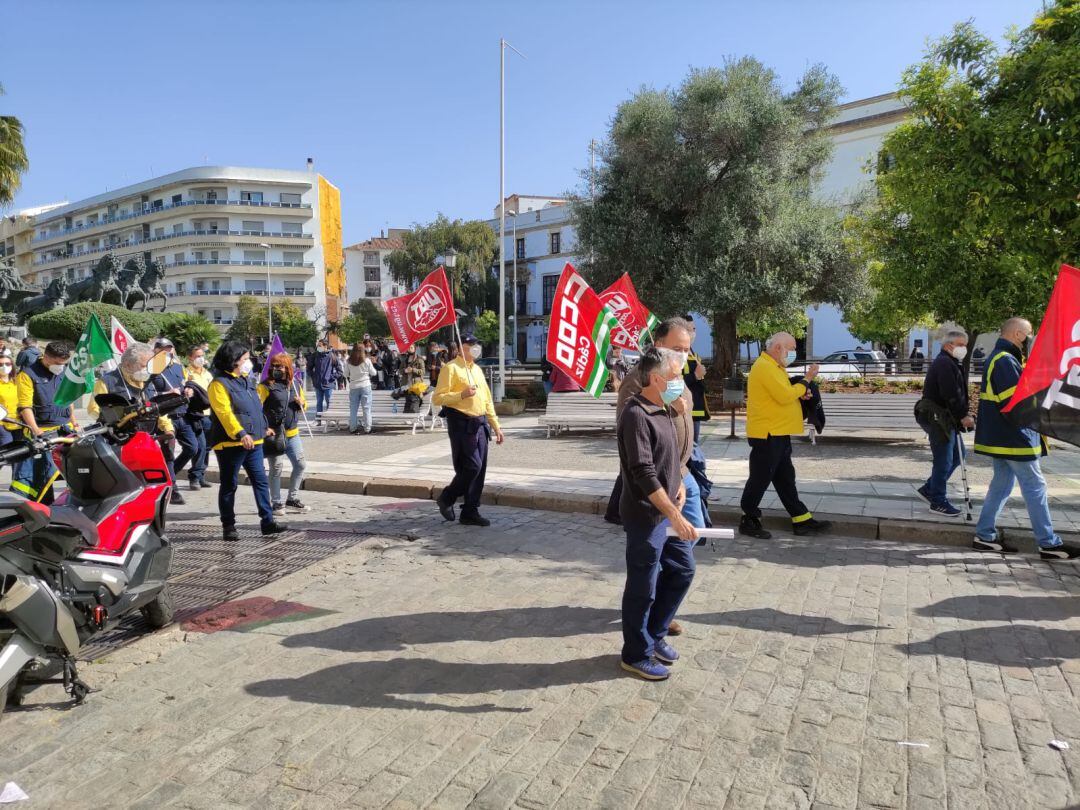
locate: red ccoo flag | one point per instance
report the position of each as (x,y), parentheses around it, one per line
(579,335)
(420,313)
(1047,397)
(633,316)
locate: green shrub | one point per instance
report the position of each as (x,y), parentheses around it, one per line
(186,330)
(69,322)
(878,383)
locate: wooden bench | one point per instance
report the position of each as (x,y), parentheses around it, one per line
(869,412)
(577,409)
(385,411)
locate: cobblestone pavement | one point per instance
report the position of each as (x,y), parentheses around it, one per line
(478,668)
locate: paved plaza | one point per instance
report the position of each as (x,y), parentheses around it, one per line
(432,665)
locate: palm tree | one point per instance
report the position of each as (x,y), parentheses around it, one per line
(13,160)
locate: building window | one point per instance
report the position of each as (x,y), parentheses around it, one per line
(200,284)
(178,228)
(181,287)
(292,227)
(159,232)
(255,285)
(217,316)
(250,196)
(556,242)
(290,199)
(373,290)
(292,257)
(520,247)
(251,225)
(371,274)
(254,255)
(215,285)
(177,199)
(550,283)
(371,257)
(294,288)
(178,258)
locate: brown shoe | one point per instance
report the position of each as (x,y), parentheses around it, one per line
(674,629)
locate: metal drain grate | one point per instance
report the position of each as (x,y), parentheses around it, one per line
(207,571)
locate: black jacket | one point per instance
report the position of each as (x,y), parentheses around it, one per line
(945,385)
(813,411)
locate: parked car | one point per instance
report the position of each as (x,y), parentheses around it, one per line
(828,371)
(869,359)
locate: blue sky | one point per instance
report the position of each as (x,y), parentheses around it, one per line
(397,102)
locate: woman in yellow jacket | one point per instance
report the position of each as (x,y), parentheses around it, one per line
(9,398)
(283,402)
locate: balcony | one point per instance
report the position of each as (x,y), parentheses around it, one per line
(147,210)
(239,263)
(168,236)
(227,293)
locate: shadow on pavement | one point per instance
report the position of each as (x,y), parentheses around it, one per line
(380,684)
(1008,645)
(990,608)
(777,621)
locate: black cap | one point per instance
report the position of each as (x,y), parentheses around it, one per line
(469,338)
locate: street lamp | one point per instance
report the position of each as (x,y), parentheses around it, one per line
(269,307)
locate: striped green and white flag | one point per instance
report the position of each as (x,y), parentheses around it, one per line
(579,335)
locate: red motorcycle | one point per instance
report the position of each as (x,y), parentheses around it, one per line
(98,554)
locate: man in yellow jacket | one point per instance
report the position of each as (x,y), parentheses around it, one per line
(773,416)
(469,411)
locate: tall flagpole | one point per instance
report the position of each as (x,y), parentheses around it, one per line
(502,220)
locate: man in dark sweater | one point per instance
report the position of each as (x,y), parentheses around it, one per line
(946,387)
(659,569)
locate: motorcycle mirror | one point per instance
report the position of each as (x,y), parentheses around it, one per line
(159,362)
(109,400)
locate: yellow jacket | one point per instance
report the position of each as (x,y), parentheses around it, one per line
(9,398)
(772,402)
(456,377)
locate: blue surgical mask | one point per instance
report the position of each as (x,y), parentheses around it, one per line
(673,391)
(789,358)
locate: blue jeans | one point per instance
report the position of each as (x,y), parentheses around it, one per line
(294,449)
(322,399)
(198,463)
(1032,486)
(691,509)
(230,461)
(659,571)
(189,444)
(29,477)
(946,460)
(358,397)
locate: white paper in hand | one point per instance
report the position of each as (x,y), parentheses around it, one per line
(12,793)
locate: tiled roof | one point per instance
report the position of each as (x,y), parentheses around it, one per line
(378,243)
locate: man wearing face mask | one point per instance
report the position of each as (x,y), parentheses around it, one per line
(659,569)
(171,381)
(943,411)
(130,380)
(1015,451)
(469,411)
(37,385)
(323,372)
(773,416)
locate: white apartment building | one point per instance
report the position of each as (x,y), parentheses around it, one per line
(366,272)
(222,232)
(545,238)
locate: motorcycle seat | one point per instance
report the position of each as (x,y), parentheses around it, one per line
(73,518)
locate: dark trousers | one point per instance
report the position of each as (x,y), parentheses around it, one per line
(469,450)
(30,476)
(230,461)
(188,441)
(198,463)
(659,571)
(770,463)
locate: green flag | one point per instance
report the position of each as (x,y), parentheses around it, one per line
(92,350)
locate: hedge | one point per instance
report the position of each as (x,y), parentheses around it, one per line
(68,322)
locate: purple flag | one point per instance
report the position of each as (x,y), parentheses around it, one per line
(275,348)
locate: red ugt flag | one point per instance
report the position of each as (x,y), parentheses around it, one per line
(1047,397)
(633,316)
(420,313)
(579,335)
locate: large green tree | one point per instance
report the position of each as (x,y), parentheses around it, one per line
(705,194)
(471,279)
(13,159)
(977,190)
(371,316)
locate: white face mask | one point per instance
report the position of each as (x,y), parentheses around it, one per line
(476,351)
(199,362)
(5,370)
(245,367)
(142,375)
(959,352)
(789,358)
(57,368)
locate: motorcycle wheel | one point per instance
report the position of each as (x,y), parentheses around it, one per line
(160,612)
